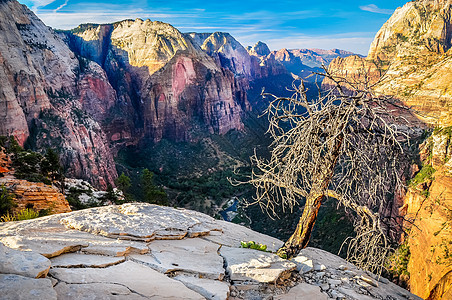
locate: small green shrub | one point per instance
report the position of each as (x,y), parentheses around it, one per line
(7,218)
(27,214)
(254,245)
(425,174)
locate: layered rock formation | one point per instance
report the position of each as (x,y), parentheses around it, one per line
(36,195)
(166,85)
(49,98)
(411,58)
(141,251)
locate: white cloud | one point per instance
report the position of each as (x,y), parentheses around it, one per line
(61,6)
(356,42)
(40,3)
(375,9)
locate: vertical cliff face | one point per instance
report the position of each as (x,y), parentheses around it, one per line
(429,204)
(47,95)
(167,86)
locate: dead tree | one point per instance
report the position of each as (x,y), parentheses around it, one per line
(346,144)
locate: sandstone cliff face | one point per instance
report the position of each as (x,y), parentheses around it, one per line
(429,204)
(44,92)
(412,51)
(166,85)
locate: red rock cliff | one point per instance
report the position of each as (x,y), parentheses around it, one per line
(47,95)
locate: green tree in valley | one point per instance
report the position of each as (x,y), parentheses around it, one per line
(123,183)
(152,193)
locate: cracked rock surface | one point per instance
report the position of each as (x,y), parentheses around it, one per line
(144,251)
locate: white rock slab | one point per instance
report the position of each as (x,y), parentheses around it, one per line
(248,264)
(322,257)
(192,255)
(303,291)
(16,287)
(140,221)
(211,289)
(95,291)
(138,278)
(25,263)
(52,243)
(352,294)
(77,260)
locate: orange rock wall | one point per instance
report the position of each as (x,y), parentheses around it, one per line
(40,195)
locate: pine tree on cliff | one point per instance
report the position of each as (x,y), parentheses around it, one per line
(345,145)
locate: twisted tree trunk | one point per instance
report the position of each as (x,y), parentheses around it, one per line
(302,234)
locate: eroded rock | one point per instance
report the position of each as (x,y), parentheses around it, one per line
(141,222)
(232,234)
(211,289)
(98,291)
(303,291)
(76,260)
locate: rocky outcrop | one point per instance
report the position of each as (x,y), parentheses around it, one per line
(48,96)
(411,58)
(35,195)
(185,258)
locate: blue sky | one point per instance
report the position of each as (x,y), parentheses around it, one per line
(346,24)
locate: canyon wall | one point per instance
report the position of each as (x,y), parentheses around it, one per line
(45,93)
(167,86)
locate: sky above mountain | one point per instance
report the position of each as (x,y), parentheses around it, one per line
(346,24)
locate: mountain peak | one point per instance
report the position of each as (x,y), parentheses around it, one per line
(260,49)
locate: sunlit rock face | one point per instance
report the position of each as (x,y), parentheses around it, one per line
(427,204)
(411,57)
(50,98)
(166,84)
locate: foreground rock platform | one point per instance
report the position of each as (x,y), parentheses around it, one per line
(144,251)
